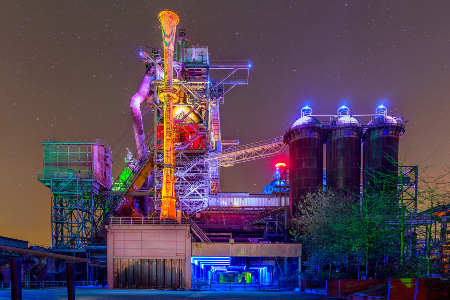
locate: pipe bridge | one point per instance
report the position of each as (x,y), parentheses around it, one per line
(239,154)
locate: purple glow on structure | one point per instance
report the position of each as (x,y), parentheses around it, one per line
(135,105)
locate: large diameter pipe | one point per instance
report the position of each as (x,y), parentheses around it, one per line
(169,21)
(135,106)
(139,135)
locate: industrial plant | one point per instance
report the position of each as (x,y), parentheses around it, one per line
(164,222)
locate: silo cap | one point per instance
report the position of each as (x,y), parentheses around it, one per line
(306,111)
(381,110)
(306,120)
(347,120)
(343,111)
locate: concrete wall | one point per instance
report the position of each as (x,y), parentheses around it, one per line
(148,242)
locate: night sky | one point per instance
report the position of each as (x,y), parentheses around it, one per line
(69,68)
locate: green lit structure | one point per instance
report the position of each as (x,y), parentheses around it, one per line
(76,173)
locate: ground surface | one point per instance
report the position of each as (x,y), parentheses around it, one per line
(93,294)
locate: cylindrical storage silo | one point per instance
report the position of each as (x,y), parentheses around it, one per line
(344,155)
(381,145)
(305,158)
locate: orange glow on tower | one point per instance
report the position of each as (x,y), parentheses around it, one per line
(169,21)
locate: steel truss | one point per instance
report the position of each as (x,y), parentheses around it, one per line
(77,210)
(408,177)
(196,125)
(247,152)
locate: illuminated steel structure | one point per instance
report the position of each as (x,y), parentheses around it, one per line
(185,100)
(191,125)
(168,20)
(76,173)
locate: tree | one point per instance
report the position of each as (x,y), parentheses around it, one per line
(325,229)
(374,231)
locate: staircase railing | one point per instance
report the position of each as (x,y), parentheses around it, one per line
(122,184)
(198,232)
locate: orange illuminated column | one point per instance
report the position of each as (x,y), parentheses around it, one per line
(169,21)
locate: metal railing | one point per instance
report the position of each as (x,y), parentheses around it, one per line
(245,63)
(64,175)
(199,232)
(210,285)
(71,141)
(47,284)
(123,185)
(140,221)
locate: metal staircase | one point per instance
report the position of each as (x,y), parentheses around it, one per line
(198,232)
(141,169)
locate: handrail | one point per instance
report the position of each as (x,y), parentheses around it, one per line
(199,232)
(123,186)
(72,141)
(140,221)
(230,62)
(44,284)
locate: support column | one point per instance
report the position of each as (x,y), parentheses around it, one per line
(299,272)
(109,259)
(15,266)
(188,261)
(70,281)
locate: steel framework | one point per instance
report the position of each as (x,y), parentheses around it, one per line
(247,152)
(75,173)
(196,120)
(408,177)
(76,212)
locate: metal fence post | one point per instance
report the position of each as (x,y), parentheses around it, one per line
(210,285)
(230,286)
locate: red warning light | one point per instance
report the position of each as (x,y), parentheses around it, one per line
(280,165)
